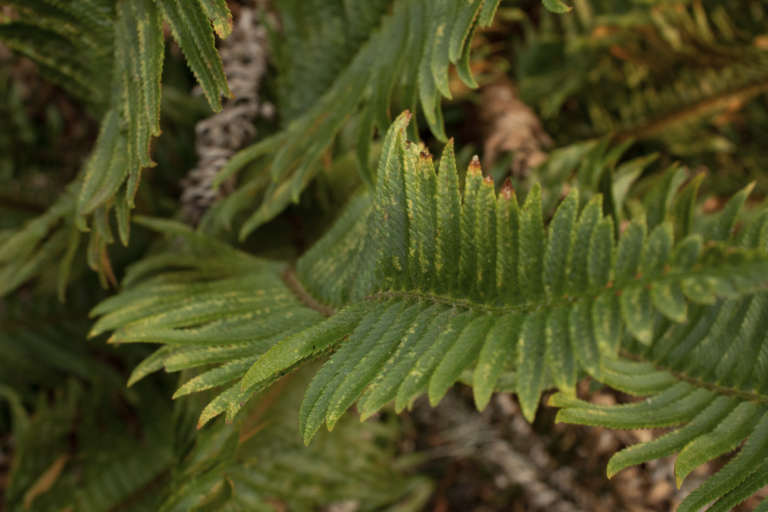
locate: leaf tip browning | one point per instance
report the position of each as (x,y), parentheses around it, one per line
(507,190)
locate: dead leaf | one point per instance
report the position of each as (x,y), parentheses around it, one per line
(45,482)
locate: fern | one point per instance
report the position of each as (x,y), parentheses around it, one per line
(403,64)
(259,460)
(220,305)
(43,343)
(716,363)
(603,269)
(429,285)
(114,466)
(650,71)
(110,53)
(492,274)
(247,465)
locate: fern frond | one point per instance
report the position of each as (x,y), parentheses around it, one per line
(209,305)
(430,285)
(260,459)
(44,342)
(488,285)
(75,453)
(655,71)
(404,64)
(98,472)
(39,244)
(716,420)
(112,55)
(717,361)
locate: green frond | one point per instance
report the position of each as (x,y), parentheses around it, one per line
(720,353)
(648,71)
(403,64)
(111,55)
(563,304)
(425,288)
(97,472)
(260,458)
(714,423)
(76,453)
(208,305)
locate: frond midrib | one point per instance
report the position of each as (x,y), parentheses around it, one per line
(568,299)
(699,383)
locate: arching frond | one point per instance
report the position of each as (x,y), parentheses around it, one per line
(211,305)
(480,281)
(431,287)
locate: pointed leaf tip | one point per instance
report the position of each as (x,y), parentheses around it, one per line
(507,189)
(474,166)
(557,6)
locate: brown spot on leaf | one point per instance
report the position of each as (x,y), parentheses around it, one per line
(507,189)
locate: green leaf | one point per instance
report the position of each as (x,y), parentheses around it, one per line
(751,456)
(531,348)
(725,437)
(461,355)
(679,404)
(487,12)
(590,216)
(463,27)
(559,354)
(508,229)
(418,378)
(498,350)
(469,213)
(531,258)
(674,441)
(726,222)
(220,16)
(560,241)
(448,220)
(192,30)
(415,342)
(333,374)
(556,6)
(305,345)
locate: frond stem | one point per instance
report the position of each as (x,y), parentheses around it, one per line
(553,302)
(290,279)
(715,388)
